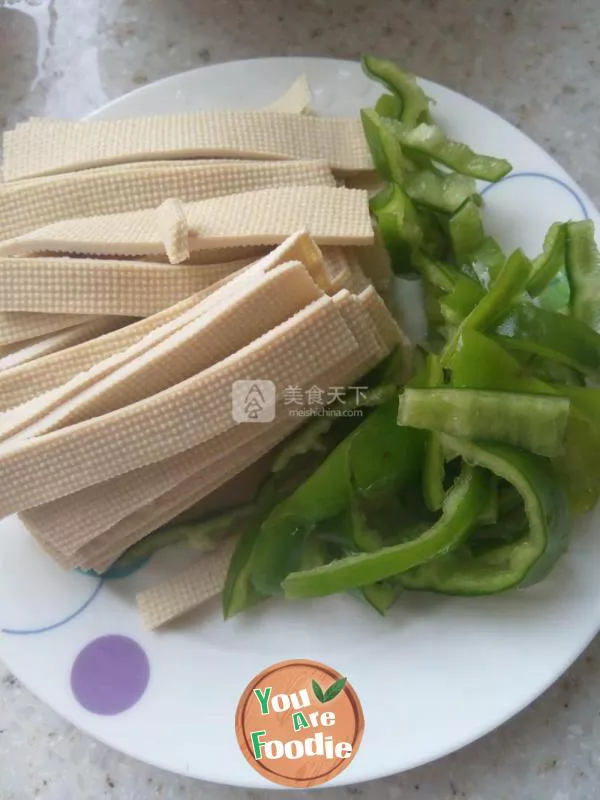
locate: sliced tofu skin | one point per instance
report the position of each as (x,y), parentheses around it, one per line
(169,355)
(186,478)
(33,150)
(32,204)
(19,326)
(52,465)
(30,380)
(333,216)
(103,287)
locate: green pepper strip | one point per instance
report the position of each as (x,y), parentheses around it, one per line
(428,140)
(551,261)
(433,466)
(487,261)
(534,422)
(389,105)
(377,457)
(466,232)
(414,102)
(446,194)
(399,226)
(497,303)
(551,335)
(382,596)
(463,505)
(481,363)
(583,273)
(458,304)
(442,276)
(522,562)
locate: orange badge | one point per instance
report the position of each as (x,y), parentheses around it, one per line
(299,723)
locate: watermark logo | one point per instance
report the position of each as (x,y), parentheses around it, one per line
(299,723)
(253,401)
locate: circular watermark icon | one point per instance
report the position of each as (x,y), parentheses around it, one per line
(299,723)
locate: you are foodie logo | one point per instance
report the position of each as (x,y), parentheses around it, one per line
(299,723)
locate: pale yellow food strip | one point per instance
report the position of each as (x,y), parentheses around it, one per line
(267,217)
(25,352)
(173,230)
(26,382)
(33,150)
(386,325)
(82,384)
(157,363)
(296,100)
(83,528)
(58,463)
(97,286)
(72,521)
(375,263)
(18,326)
(106,549)
(28,205)
(202,481)
(188,590)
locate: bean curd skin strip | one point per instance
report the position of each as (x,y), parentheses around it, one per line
(26,382)
(100,286)
(32,204)
(334,216)
(33,150)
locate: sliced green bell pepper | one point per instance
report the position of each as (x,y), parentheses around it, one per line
(443,276)
(522,562)
(583,273)
(534,422)
(496,304)
(378,457)
(551,335)
(428,140)
(463,506)
(551,261)
(466,232)
(413,100)
(445,194)
(433,466)
(398,224)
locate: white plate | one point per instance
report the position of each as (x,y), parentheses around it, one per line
(433,676)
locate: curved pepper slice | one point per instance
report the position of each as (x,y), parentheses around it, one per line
(551,335)
(520,563)
(466,232)
(439,193)
(583,273)
(428,140)
(497,302)
(377,457)
(414,103)
(551,261)
(463,506)
(433,465)
(480,363)
(399,226)
(533,421)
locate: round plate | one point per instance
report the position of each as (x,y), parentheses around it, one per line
(434,675)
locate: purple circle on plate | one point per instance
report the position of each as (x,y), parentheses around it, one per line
(110,675)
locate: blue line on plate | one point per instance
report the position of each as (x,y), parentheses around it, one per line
(543,176)
(34,631)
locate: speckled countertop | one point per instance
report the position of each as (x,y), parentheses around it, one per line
(535,62)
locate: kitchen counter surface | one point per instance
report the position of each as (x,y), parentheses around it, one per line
(537,63)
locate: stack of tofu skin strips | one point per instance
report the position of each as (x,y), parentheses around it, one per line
(146,265)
